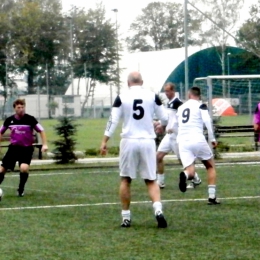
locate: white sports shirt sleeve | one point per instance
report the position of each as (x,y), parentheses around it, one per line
(161,112)
(136,108)
(172,108)
(114,118)
(207,121)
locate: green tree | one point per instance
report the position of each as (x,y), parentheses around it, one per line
(64,147)
(36,35)
(160,26)
(249,33)
(225,14)
(94,41)
(6,54)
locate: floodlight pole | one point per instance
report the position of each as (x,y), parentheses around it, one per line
(228,65)
(186,48)
(117,55)
(209,89)
(72,57)
(47,89)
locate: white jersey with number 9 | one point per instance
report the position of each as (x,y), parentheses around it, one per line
(191,116)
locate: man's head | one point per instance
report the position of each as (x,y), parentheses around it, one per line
(19,107)
(169,89)
(134,79)
(194,93)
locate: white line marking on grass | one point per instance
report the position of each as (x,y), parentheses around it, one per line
(57,173)
(118,203)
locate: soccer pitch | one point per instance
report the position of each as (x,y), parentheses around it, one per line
(76,215)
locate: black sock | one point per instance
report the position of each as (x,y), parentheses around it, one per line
(23,179)
(2,176)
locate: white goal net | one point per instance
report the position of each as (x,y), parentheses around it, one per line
(234,95)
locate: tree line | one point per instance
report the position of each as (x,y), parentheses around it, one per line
(211,22)
(37,39)
(46,45)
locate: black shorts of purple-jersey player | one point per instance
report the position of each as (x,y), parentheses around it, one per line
(20,149)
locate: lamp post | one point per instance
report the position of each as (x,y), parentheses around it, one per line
(117,56)
(228,71)
(228,62)
(186,64)
(72,57)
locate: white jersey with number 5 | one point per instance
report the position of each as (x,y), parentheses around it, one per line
(136,107)
(192,116)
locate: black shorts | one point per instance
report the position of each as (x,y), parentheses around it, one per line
(15,153)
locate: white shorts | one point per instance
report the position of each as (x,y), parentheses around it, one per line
(169,144)
(138,155)
(192,150)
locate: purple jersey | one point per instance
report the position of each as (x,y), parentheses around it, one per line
(257,114)
(21,129)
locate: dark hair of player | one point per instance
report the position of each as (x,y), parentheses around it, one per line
(195,91)
(171,85)
(19,101)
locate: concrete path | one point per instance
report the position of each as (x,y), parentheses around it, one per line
(173,157)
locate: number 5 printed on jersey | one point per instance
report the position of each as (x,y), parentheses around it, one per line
(139,109)
(185,115)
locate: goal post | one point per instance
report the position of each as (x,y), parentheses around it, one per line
(241,92)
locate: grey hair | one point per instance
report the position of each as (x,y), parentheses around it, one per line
(135,77)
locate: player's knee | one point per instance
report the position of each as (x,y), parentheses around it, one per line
(149,182)
(209,164)
(125,180)
(160,157)
(2,170)
(24,168)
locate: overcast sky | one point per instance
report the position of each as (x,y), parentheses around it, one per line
(128,10)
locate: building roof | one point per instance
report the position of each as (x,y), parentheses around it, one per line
(155,67)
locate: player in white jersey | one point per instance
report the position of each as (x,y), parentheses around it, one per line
(169,143)
(192,116)
(136,108)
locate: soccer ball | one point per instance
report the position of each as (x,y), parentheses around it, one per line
(1,193)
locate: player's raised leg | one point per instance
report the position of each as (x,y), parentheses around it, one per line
(187,174)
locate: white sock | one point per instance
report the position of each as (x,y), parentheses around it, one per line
(212,191)
(186,174)
(157,206)
(160,177)
(126,214)
(196,177)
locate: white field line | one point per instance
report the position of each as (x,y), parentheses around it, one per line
(58,173)
(256,163)
(118,203)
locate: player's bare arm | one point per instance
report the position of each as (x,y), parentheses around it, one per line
(103,146)
(257,127)
(44,141)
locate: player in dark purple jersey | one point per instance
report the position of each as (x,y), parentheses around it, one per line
(20,149)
